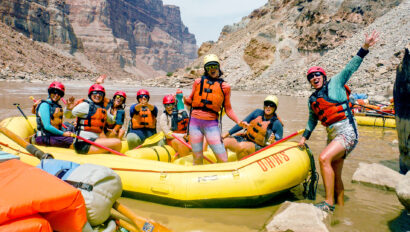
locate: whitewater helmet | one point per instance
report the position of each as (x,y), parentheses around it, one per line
(120,93)
(211,61)
(273,99)
(97,88)
(142,92)
(315,69)
(56,85)
(168,99)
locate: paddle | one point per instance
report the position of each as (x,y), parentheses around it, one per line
(24,115)
(189,146)
(29,147)
(373,115)
(151,140)
(141,223)
(275,143)
(379,111)
(96,144)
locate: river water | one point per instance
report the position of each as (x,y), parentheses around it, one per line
(366,208)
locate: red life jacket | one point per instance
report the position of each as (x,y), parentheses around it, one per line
(95,120)
(143,119)
(209,96)
(329,111)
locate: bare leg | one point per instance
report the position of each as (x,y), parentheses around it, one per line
(112,143)
(246,148)
(333,151)
(339,188)
(180,148)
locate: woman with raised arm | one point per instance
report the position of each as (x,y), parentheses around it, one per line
(330,104)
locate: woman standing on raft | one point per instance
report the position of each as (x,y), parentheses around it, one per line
(210,94)
(330,104)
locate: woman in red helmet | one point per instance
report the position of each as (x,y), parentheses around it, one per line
(116,107)
(330,105)
(143,120)
(210,94)
(49,116)
(92,117)
(174,121)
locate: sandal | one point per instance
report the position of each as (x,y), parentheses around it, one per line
(325,207)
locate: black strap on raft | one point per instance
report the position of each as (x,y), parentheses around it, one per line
(80,185)
(310,185)
(76,184)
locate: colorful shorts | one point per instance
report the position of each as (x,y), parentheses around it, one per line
(345,133)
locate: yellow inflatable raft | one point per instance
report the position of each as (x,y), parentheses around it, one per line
(248,182)
(375,120)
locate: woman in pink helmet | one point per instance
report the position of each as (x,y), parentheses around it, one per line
(116,107)
(174,122)
(330,105)
(49,116)
(92,117)
(143,122)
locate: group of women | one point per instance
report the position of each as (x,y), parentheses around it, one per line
(101,121)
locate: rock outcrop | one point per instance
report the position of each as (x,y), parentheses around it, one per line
(42,20)
(401,94)
(133,39)
(377,175)
(305,33)
(21,58)
(140,37)
(298,217)
(403,191)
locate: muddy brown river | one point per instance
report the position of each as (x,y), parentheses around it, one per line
(366,208)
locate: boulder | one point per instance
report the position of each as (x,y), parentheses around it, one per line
(403,191)
(298,217)
(376,175)
(401,95)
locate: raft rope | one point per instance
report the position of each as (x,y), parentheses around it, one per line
(310,185)
(14,149)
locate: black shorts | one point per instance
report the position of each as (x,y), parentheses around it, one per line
(82,147)
(244,139)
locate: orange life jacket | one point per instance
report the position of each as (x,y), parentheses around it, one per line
(327,110)
(31,193)
(95,120)
(143,119)
(110,108)
(257,129)
(209,96)
(56,116)
(179,124)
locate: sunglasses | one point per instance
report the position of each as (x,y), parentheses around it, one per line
(316,74)
(143,95)
(119,97)
(57,91)
(212,66)
(270,104)
(97,93)
(168,105)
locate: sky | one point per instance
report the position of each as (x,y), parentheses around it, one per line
(206,18)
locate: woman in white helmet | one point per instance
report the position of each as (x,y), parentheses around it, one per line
(263,128)
(210,94)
